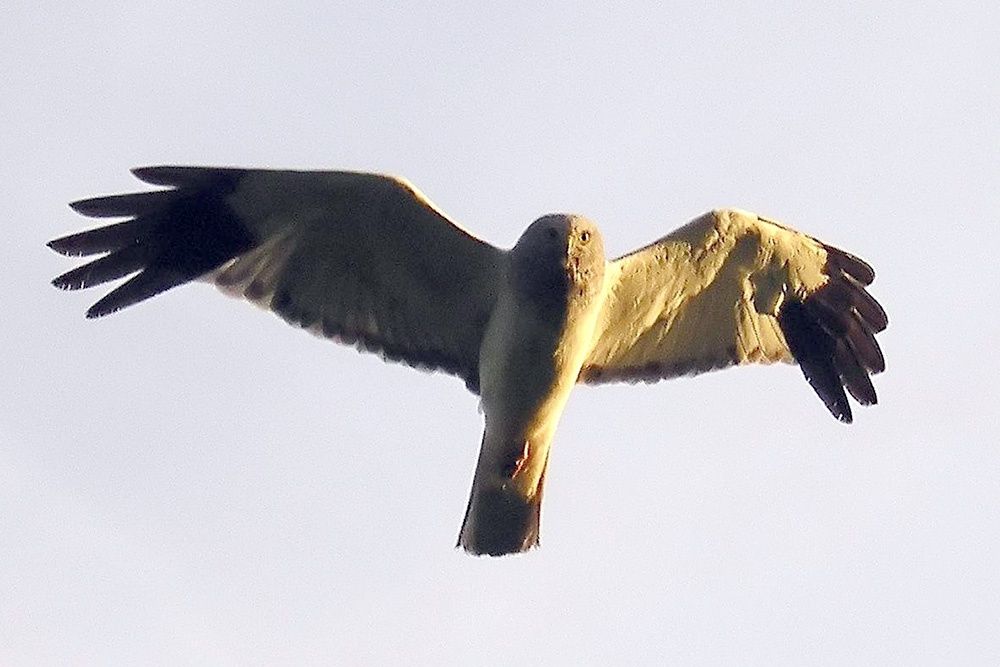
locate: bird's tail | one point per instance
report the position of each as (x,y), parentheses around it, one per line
(500,518)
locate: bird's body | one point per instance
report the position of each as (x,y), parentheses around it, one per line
(532,352)
(366,259)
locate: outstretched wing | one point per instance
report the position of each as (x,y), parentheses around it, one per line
(733,288)
(362,258)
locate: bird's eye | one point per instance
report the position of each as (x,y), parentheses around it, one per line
(553,233)
(584,236)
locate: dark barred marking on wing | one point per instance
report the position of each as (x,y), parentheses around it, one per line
(419,357)
(657,371)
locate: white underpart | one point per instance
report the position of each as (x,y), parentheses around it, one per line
(528,366)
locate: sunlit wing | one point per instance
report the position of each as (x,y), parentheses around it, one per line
(733,288)
(362,258)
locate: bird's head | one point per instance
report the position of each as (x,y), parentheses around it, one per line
(559,256)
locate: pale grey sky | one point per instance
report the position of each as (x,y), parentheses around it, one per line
(194,482)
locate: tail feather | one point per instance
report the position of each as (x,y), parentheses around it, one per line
(499,520)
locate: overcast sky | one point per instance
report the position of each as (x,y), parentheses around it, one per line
(192,481)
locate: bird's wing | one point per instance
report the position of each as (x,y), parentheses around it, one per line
(733,288)
(362,258)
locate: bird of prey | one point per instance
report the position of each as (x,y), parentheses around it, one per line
(368,260)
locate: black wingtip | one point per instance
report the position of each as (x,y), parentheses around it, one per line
(91,207)
(814,349)
(854,266)
(63,245)
(138,288)
(160,175)
(831,334)
(177,177)
(172,236)
(64,283)
(59,282)
(834,397)
(93,314)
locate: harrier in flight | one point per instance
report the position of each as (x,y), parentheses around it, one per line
(366,259)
